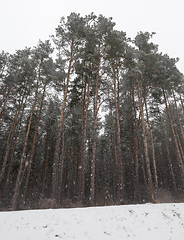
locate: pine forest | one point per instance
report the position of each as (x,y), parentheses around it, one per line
(90,117)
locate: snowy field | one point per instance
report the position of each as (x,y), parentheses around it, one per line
(140,222)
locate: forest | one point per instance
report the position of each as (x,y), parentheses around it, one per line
(90,117)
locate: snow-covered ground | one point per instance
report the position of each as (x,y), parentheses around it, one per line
(140,222)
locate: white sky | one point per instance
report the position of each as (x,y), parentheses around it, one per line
(24,22)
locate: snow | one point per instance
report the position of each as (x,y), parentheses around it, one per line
(140,222)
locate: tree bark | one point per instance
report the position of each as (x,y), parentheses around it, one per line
(14,145)
(55,175)
(33,144)
(93,161)
(120,170)
(168,155)
(115,158)
(69,167)
(153,148)
(179,159)
(62,164)
(135,148)
(147,161)
(47,150)
(179,121)
(81,171)
(18,180)
(10,139)
(181,102)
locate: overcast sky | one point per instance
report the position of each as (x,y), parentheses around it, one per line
(24,22)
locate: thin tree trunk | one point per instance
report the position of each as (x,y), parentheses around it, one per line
(14,146)
(115,161)
(143,167)
(81,172)
(148,169)
(33,145)
(93,161)
(69,168)
(81,160)
(180,163)
(168,155)
(114,137)
(135,149)
(55,175)
(182,102)
(10,139)
(178,140)
(176,130)
(47,150)
(62,164)
(153,148)
(113,170)
(77,156)
(18,180)
(120,170)
(181,128)
(62,156)
(8,145)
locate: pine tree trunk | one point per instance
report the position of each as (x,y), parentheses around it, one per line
(33,145)
(176,130)
(14,145)
(120,170)
(147,161)
(179,159)
(181,102)
(10,139)
(62,164)
(19,176)
(55,175)
(135,147)
(181,128)
(178,140)
(69,168)
(81,160)
(168,155)
(153,149)
(93,161)
(75,163)
(115,161)
(8,144)
(47,150)
(81,172)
